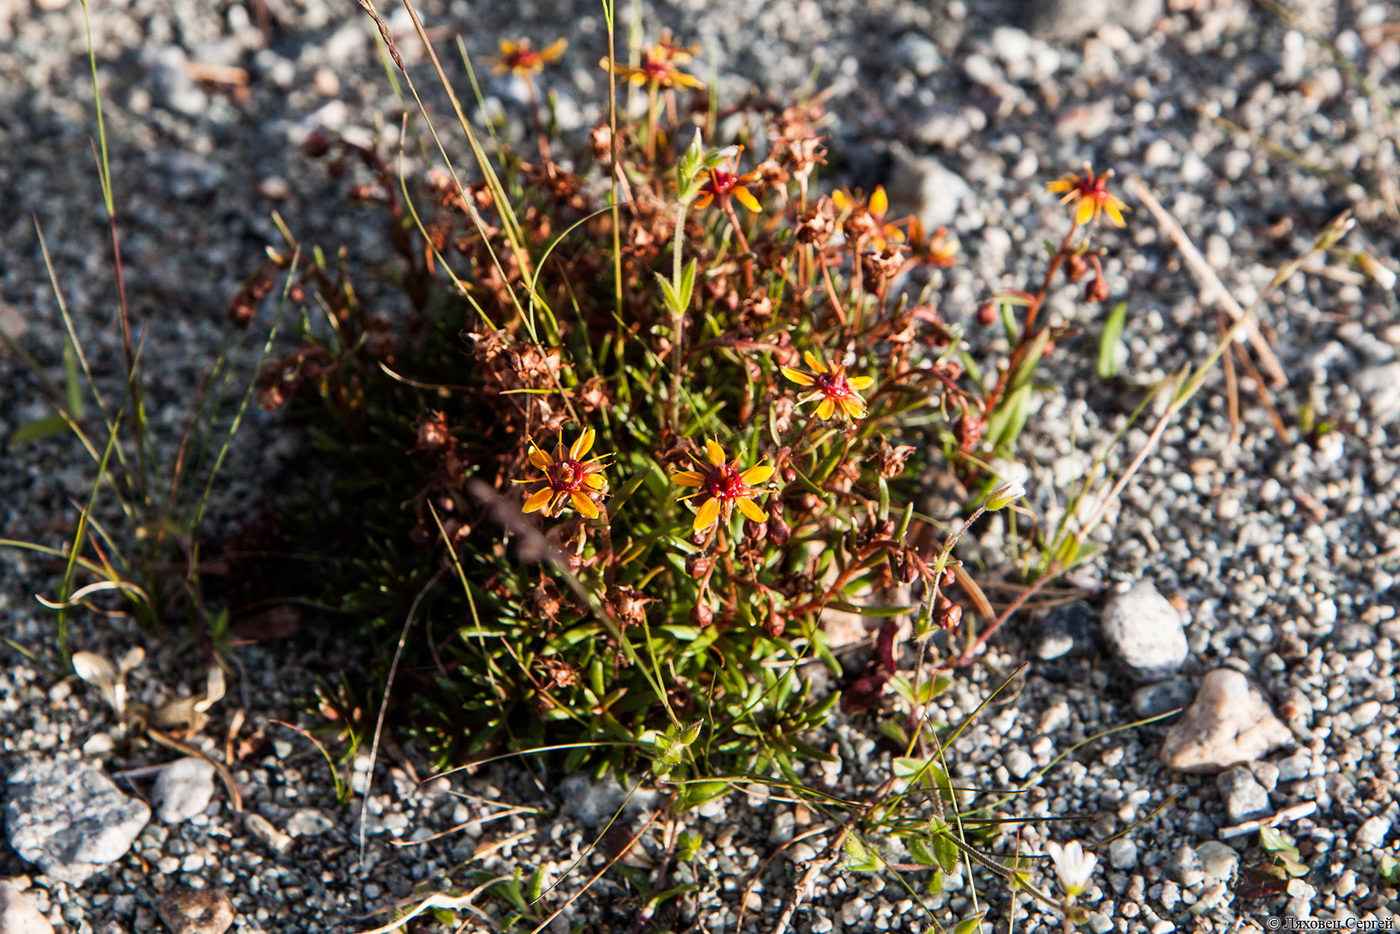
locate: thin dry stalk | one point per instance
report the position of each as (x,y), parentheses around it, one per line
(1211,284)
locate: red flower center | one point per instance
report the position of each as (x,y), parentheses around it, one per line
(724,482)
(655,68)
(833,385)
(522,58)
(721,182)
(1094,187)
(567,476)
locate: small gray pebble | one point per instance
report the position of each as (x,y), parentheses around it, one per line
(183,789)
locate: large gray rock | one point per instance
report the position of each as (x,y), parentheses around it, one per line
(925,187)
(1145,632)
(1071,20)
(183,789)
(1229,723)
(69,819)
(18,915)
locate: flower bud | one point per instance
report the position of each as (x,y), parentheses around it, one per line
(950,616)
(774,626)
(987,314)
(317,144)
(1004,495)
(1075,267)
(698,565)
(1096,290)
(778,530)
(756,531)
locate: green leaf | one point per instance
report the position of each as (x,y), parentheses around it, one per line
(38,430)
(861,858)
(920,853)
(687,285)
(946,852)
(688,845)
(672,300)
(535,886)
(971,925)
(695,794)
(1109,340)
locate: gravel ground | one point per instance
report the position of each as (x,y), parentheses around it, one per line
(1277,554)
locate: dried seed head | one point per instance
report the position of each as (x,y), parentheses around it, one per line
(701,615)
(891,458)
(433,433)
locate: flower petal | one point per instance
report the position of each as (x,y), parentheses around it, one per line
(704,199)
(751,510)
(841,200)
(582,445)
(797,376)
(596,481)
(814,361)
(860,382)
(879,201)
(747,199)
(584,504)
(706,515)
(555,49)
(538,500)
(687,478)
(539,458)
(1115,209)
(757,474)
(853,407)
(714,451)
(826,409)
(1086,212)
(507,46)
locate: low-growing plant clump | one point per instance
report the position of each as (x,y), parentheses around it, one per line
(624,424)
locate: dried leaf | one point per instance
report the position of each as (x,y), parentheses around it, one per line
(94,669)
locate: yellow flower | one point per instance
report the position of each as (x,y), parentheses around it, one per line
(1091,191)
(725,486)
(567,476)
(939,248)
(518,57)
(866,219)
(831,385)
(724,184)
(657,68)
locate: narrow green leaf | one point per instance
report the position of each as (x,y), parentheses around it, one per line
(38,430)
(1109,340)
